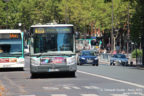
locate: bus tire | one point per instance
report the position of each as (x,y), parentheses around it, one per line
(72,74)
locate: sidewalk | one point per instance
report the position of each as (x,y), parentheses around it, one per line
(2,90)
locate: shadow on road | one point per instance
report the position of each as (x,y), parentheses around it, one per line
(53,75)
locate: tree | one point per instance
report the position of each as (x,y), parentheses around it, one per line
(2,13)
(137,21)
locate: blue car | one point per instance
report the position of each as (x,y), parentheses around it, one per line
(119,59)
(88,57)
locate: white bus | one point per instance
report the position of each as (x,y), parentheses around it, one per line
(11,49)
(52,49)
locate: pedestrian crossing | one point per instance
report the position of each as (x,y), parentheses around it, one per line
(72,88)
(79,91)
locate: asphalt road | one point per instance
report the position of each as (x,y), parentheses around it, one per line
(103,80)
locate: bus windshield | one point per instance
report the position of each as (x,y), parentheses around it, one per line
(53,39)
(10,46)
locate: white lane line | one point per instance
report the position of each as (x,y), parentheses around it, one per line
(75,87)
(91,87)
(109,78)
(71,87)
(89,95)
(68,88)
(58,95)
(119,95)
(50,88)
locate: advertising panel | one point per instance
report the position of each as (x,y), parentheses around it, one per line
(53,60)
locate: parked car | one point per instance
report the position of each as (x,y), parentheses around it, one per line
(119,59)
(88,57)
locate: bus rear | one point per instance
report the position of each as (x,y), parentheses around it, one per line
(11,49)
(52,49)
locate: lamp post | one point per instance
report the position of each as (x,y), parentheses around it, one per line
(6,12)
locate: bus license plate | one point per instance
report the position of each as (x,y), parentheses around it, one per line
(53,70)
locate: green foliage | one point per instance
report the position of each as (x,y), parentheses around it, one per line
(137,20)
(2,14)
(137,52)
(81,13)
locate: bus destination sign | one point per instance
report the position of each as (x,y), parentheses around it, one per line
(10,36)
(53,30)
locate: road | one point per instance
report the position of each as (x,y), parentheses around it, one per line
(103,80)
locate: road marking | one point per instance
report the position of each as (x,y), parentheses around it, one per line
(58,95)
(71,87)
(50,88)
(89,95)
(91,87)
(119,95)
(109,78)
(68,88)
(74,87)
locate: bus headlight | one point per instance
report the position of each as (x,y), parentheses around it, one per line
(35,61)
(71,60)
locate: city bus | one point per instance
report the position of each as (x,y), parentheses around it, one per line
(11,49)
(52,49)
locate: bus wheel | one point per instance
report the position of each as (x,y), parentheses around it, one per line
(72,74)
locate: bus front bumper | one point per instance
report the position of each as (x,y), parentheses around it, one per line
(46,69)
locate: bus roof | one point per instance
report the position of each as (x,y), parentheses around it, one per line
(10,31)
(52,25)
